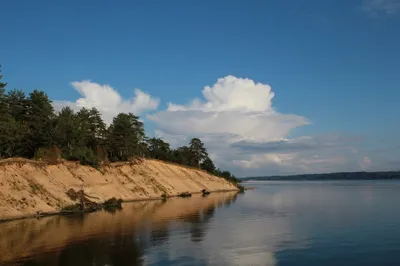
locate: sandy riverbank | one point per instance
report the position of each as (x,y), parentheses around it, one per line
(29,186)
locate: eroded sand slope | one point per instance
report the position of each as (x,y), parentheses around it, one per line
(28,186)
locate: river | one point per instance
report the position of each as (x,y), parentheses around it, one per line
(276,224)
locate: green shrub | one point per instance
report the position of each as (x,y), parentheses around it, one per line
(85,156)
(241,188)
(47,154)
(72,208)
(112,203)
(185,194)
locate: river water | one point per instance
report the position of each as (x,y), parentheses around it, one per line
(278,223)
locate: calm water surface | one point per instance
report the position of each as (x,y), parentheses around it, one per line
(279,223)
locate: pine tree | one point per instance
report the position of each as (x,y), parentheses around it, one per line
(208,165)
(17,105)
(7,125)
(66,131)
(182,155)
(198,151)
(18,109)
(3,97)
(40,123)
(97,129)
(125,136)
(159,149)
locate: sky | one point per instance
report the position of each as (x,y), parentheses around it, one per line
(271,87)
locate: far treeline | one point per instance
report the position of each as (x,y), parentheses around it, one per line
(30,128)
(330,176)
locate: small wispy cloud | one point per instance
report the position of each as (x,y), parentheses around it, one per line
(300,144)
(381,8)
(365,164)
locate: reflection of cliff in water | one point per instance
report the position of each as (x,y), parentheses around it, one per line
(200,219)
(101,238)
(122,250)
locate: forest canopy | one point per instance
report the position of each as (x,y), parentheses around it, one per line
(31,128)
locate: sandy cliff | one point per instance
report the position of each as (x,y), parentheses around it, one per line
(28,186)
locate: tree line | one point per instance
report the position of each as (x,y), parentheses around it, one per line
(30,128)
(332,176)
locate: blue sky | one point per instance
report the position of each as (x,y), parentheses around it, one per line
(335,64)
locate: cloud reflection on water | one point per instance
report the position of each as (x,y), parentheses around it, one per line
(248,233)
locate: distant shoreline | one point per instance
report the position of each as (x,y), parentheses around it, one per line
(389,175)
(310,180)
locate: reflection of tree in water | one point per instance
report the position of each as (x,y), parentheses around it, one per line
(200,219)
(198,222)
(117,250)
(159,235)
(126,251)
(230,201)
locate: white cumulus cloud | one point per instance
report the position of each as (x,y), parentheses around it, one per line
(244,133)
(232,106)
(232,93)
(108,101)
(232,110)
